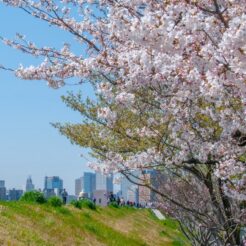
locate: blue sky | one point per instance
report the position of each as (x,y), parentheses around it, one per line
(28,144)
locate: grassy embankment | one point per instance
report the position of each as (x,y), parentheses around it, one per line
(32,224)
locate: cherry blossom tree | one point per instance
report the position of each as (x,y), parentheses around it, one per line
(177,69)
(191,194)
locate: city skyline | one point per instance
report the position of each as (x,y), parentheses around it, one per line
(39,182)
(45,184)
(92,185)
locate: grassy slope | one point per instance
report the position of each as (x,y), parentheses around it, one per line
(26,224)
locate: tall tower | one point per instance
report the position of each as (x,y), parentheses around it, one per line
(104,182)
(89,183)
(109,181)
(53,182)
(129,191)
(53,186)
(2,190)
(29,184)
(79,185)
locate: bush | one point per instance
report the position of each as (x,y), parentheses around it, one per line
(114,205)
(88,204)
(76,204)
(33,197)
(85,203)
(55,201)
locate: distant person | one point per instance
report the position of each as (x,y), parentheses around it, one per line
(64,196)
(118,201)
(122,202)
(111,197)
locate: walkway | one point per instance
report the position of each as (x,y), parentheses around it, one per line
(158,214)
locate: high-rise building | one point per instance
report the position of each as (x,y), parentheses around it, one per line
(2,183)
(104,182)
(135,192)
(52,186)
(145,194)
(110,185)
(3,193)
(53,182)
(101,197)
(14,195)
(2,190)
(29,184)
(79,185)
(129,191)
(101,181)
(89,183)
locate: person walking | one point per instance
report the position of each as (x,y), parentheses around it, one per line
(118,201)
(64,196)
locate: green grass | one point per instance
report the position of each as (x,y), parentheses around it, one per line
(33,224)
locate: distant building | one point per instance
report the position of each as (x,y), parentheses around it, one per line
(101,197)
(53,182)
(119,193)
(133,194)
(79,185)
(53,186)
(104,182)
(101,183)
(136,192)
(2,190)
(50,192)
(130,191)
(110,185)
(3,194)
(2,183)
(145,194)
(29,184)
(14,195)
(89,183)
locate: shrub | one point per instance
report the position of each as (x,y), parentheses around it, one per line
(85,203)
(76,204)
(88,204)
(114,205)
(33,197)
(55,201)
